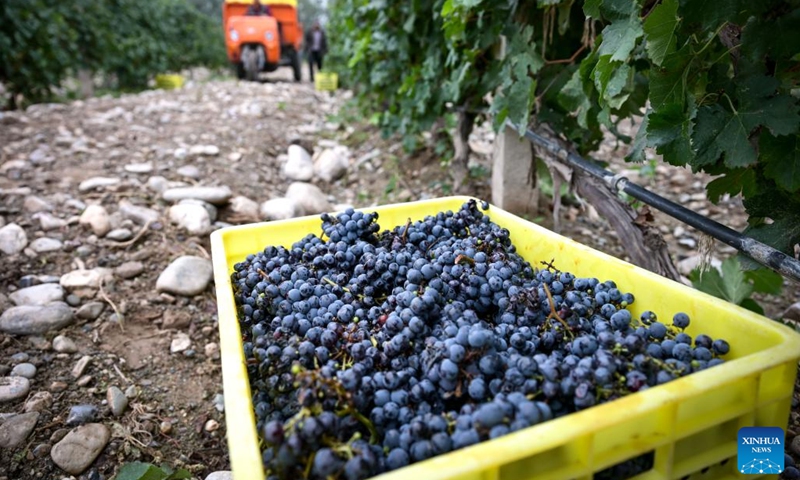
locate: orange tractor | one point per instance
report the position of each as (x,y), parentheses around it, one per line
(262,43)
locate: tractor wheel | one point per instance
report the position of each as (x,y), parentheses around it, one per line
(297,66)
(252,75)
(250,64)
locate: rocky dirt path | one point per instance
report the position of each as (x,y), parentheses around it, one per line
(108,334)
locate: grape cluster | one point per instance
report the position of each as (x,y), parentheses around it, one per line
(371,351)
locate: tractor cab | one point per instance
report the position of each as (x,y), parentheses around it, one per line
(263,43)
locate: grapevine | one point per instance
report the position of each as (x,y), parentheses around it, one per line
(712,87)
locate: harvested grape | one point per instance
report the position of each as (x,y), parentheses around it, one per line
(368,351)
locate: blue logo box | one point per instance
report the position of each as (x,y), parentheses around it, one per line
(760,450)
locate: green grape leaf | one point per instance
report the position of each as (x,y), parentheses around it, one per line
(573,98)
(141,471)
(564,17)
(180,474)
(665,125)
(765,281)
(669,131)
(783,208)
(777,38)
(636,153)
(719,131)
(610,79)
(659,31)
(728,283)
(668,82)
(619,9)
(591,8)
(521,96)
(758,106)
(679,151)
(619,38)
(734,181)
(447,8)
(781,158)
(710,13)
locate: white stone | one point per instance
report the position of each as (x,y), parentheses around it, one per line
(13,388)
(157,184)
(204,150)
(14,165)
(117,401)
(129,270)
(180,153)
(12,239)
(39,402)
(80,366)
(281,209)
(97,182)
(299,166)
(15,429)
(35,319)
(38,294)
(211,209)
(50,222)
(39,156)
(180,343)
(139,168)
(187,276)
(86,278)
(44,245)
(310,198)
(35,204)
(221,475)
(27,370)
(212,350)
(62,344)
(331,165)
(212,195)
(190,171)
(245,207)
(140,215)
(96,217)
(78,449)
(193,218)
(120,235)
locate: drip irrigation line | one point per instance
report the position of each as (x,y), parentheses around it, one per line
(758,251)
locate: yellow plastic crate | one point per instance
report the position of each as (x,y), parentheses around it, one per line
(691,423)
(169,82)
(326,81)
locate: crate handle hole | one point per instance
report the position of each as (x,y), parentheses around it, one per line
(629,468)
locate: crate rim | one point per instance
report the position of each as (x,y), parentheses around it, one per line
(240,417)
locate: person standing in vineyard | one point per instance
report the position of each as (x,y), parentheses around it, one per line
(316,48)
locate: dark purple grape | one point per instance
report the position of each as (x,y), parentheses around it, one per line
(680,320)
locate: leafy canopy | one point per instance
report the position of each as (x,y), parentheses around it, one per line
(714,85)
(42,42)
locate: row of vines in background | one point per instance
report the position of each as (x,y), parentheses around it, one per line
(44,42)
(714,85)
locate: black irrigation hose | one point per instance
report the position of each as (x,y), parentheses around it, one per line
(760,252)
